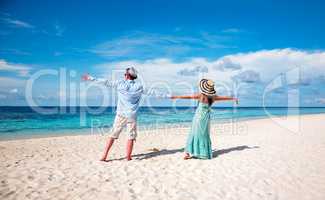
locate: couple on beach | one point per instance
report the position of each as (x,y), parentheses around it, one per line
(129,95)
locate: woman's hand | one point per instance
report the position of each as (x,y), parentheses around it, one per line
(236,100)
(194,96)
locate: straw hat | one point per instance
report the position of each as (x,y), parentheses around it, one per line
(207,87)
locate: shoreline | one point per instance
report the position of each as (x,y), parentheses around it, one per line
(141,128)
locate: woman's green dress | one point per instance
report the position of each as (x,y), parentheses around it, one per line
(198,141)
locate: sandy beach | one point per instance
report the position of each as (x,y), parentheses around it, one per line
(260,161)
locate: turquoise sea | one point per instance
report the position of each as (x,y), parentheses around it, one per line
(16,122)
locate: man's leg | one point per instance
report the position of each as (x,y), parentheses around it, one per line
(129,149)
(109,144)
(119,123)
(132,130)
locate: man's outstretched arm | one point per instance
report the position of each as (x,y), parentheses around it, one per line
(101,81)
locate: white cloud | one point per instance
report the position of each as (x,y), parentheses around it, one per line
(150,45)
(271,63)
(260,66)
(320,100)
(17,23)
(13,91)
(14,52)
(232,30)
(6,83)
(57,53)
(3,96)
(13,82)
(193,71)
(21,70)
(13,95)
(248,76)
(225,64)
(59,30)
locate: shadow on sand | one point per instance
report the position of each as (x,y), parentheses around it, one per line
(215,153)
(144,156)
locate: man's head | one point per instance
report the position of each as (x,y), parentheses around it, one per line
(130,73)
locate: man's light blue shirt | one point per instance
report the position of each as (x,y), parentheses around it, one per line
(129,96)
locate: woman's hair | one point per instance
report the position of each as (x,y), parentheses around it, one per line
(209,98)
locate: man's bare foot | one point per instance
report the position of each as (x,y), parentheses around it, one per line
(128,158)
(103,159)
(187,156)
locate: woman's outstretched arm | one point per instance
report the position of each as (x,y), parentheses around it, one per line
(194,96)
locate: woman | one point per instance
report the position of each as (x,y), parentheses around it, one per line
(198,142)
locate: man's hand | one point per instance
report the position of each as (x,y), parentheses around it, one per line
(86,77)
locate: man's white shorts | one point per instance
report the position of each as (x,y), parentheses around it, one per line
(119,123)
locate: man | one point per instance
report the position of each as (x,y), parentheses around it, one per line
(129,96)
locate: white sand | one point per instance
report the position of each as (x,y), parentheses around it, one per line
(263,161)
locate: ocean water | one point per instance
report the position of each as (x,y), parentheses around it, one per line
(18,122)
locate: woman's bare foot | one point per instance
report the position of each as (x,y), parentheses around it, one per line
(187,156)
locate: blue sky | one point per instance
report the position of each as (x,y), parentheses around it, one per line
(250,42)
